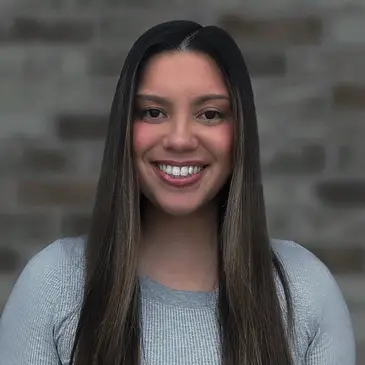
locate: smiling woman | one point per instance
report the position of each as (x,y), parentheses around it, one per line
(183,132)
(178,267)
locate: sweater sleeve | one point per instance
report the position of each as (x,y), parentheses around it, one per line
(27,321)
(333,342)
(323,329)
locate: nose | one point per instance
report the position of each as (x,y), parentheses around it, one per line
(180,136)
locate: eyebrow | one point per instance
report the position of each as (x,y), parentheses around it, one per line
(168,102)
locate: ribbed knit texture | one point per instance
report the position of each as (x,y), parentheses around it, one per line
(38,323)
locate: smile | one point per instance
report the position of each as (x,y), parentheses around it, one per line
(180,171)
(180,176)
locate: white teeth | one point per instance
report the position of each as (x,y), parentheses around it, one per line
(184,171)
(177,171)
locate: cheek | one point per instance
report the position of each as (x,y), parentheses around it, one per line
(143,137)
(222,141)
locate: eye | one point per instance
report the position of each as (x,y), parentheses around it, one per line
(152,113)
(211,115)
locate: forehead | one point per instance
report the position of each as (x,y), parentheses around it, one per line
(184,72)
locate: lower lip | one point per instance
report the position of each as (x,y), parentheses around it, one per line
(179,181)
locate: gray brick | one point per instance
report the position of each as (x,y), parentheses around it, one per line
(45,4)
(9,260)
(42,62)
(352,228)
(26,100)
(358,321)
(321,227)
(352,287)
(125,26)
(300,30)
(261,63)
(75,95)
(107,61)
(12,60)
(18,123)
(348,27)
(67,193)
(350,157)
(10,157)
(85,4)
(81,126)
(308,159)
(349,96)
(295,103)
(330,4)
(35,61)
(360,353)
(87,157)
(7,282)
(344,260)
(20,228)
(8,192)
(44,159)
(138,3)
(74,62)
(317,61)
(55,62)
(342,194)
(346,140)
(346,63)
(27,29)
(282,191)
(344,157)
(19,157)
(75,224)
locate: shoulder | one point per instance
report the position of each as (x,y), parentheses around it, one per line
(299,262)
(46,290)
(50,270)
(62,264)
(58,272)
(317,300)
(308,276)
(55,262)
(296,258)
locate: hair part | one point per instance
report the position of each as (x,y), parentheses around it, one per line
(184,45)
(254,329)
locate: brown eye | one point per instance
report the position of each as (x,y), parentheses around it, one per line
(211,116)
(152,113)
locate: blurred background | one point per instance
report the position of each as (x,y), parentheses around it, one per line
(59,64)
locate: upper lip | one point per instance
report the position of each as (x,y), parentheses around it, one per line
(181,163)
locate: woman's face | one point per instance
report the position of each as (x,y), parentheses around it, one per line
(183,131)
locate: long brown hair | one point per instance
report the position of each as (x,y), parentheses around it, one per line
(254,328)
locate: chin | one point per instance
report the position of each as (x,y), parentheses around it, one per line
(178,211)
(178,206)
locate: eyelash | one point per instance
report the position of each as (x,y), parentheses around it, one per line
(142,113)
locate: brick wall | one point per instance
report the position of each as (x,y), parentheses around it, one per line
(59,62)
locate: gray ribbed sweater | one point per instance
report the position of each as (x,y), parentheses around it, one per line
(179,327)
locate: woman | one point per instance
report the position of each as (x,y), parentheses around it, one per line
(178,267)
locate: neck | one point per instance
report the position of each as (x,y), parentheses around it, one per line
(180,252)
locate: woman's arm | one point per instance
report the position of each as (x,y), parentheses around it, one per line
(333,342)
(26,325)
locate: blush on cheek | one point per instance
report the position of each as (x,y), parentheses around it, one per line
(224,137)
(141,136)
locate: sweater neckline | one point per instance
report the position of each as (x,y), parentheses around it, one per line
(153,290)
